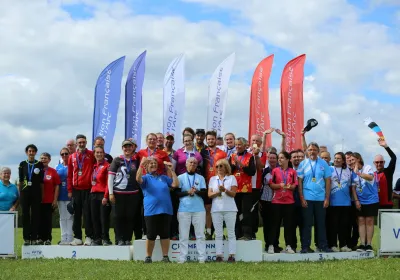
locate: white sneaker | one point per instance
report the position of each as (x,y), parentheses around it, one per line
(64,243)
(88,241)
(144,237)
(76,242)
(345,249)
(289,250)
(271,249)
(335,249)
(158,237)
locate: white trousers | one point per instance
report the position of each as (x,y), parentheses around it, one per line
(198,219)
(66,220)
(218,219)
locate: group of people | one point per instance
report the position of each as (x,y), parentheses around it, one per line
(194,192)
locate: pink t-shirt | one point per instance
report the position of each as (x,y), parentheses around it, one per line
(288,176)
(181,156)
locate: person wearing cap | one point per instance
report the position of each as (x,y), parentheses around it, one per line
(200,136)
(314,190)
(66,218)
(99,142)
(124,193)
(30,186)
(51,182)
(385,176)
(169,143)
(79,184)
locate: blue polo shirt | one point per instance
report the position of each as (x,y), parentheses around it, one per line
(318,169)
(191,203)
(341,181)
(8,195)
(62,172)
(157,198)
(367,191)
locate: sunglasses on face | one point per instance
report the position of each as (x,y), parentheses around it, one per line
(379,162)
(64,154)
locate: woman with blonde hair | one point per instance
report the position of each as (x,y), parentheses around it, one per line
(222,190)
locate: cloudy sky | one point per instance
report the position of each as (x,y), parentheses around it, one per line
(52,52)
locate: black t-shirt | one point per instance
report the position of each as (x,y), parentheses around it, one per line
(37,174)
(123,184)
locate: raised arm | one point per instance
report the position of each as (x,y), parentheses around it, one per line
(268,131)
(283,143)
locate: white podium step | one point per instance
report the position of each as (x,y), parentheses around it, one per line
(246,251)
(78,252)
(282,257)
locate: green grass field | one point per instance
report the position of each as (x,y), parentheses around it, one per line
(96,269)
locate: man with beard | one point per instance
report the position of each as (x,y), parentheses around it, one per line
(160,141)
(200,136)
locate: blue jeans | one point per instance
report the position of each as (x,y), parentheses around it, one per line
(314,209)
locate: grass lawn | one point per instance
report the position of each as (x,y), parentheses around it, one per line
(97,269)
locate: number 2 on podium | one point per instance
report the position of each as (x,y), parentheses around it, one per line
(73,254)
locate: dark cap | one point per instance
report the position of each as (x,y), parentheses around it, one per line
(129,142)
(200,131)
(170,137)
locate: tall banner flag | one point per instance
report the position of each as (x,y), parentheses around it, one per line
(217,95)
(106,102)
(292,107)
(133,100)
(174,98)
(259,100)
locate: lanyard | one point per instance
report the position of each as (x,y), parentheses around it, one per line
(284,175)
(80,163)
(189,154)
(241,159)
(128,164)
(96,170)
(149,154)
(315,167)
(337,174)
(223,182)
(30,170)
(211,158)
(229,151)
(194,178)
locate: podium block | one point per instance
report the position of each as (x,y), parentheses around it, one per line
(282,257)
(78,252)
(246,251)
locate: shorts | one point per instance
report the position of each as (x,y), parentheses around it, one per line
(368,210)
(158,225)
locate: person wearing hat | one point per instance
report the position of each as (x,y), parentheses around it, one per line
(169,143)
(200,136)
(124,193)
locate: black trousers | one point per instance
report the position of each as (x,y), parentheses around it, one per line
(267,215)
(174,218)
(100,216)
(139,227)
(353,227)
(244,204)
(126,209)
(45,228)
(255,214)
(31,200)
(82,207)
(298,216)
(337,225)
(283,212)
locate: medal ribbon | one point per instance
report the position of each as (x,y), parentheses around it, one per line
(30,170)
(315,167)
(80,163)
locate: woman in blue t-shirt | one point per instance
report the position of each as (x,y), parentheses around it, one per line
(9,195)
(365,189)
(338,212)
(157,204)
(66,219)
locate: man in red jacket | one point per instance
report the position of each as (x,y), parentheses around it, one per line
(80,167)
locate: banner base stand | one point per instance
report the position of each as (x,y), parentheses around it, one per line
(283,257)
(78,252)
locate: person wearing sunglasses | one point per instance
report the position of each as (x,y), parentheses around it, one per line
(385,176)
(192,189)
(283,181)
(365,191)
(243,167)
(222,190)
(66,218)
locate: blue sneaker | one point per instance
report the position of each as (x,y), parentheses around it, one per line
(327,250)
